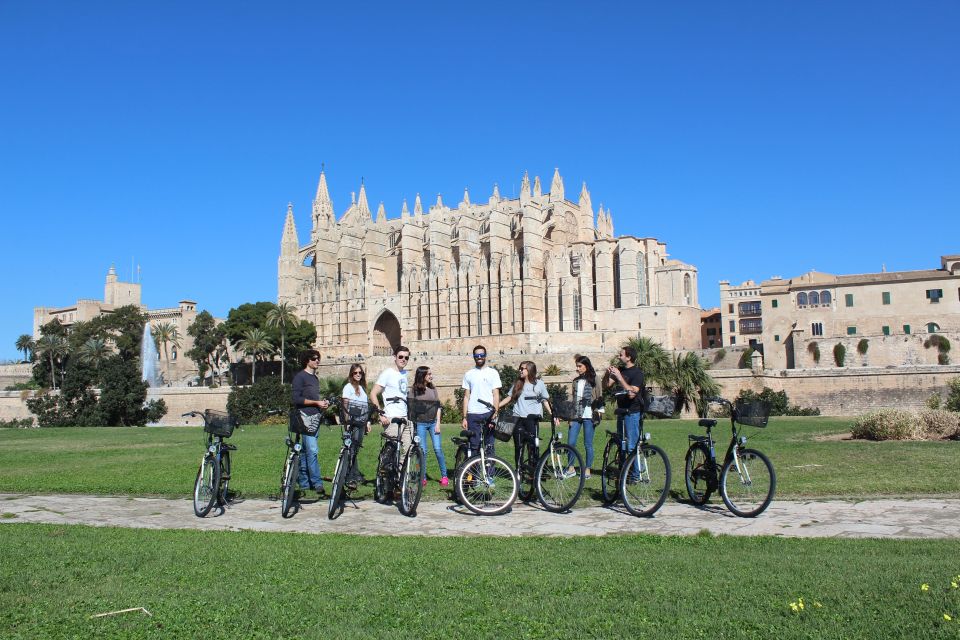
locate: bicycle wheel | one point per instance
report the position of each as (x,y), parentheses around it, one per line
(747,491)
(224,495)
(486,491)
(288,491)
(205,488)
(411,480)
(610,473)
(526,472)
(558,489)
(699,474)
(645,480)
(335,504)
(380,481)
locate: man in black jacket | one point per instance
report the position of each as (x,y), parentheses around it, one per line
(306,398)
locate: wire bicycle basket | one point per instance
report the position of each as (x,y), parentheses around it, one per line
(661,406)
(219,423)
(566,409)
(420,411)
(753,413)
(504,426)
(355,413)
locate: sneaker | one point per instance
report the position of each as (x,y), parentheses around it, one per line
(586,474)
(444,481)
(321,492)
(424,482)
(570,472)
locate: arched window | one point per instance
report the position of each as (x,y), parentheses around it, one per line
(577,311)
(616,279)
(932,327)
(814,298)
(687,291)
(801,299)
(824,297)
(173,351)
(641,279)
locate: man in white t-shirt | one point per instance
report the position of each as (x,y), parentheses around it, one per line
(393,384)
(481,396)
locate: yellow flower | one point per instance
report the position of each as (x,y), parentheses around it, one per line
(817,604)
(953,584)
(800,604)
(947,617)
(924,587)
(794,607)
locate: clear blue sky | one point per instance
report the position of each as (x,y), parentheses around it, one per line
(755,139)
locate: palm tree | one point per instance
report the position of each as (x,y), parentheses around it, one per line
(282,315)
(166,333)
(94,351)
(653,360)
(54,347)
(26,344)
(691,382)
(255,341)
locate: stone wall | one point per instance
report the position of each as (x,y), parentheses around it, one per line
(11,374)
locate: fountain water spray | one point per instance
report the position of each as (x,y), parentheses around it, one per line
(149,357)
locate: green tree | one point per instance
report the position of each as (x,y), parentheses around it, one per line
(208,340)
(690,382)
(123,395)
(653,360)
(26,345)
(94,351)
(53,348)
(166,334)
(248,316)
(255,342)
(281,316)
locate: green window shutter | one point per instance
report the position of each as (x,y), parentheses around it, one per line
(886,330)
(886,297)
(774,304)
(849,299)
(776,338)
(906,329)
(851,331)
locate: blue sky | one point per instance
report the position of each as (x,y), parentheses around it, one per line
(754,138)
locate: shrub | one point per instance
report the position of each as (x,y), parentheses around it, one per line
(251,404)
(943,358)
(888,424)
(938,424)
(814,350)
(934,401)
(862,346)
(719,355)
(953,394)
(551,370)
(30,385)
(746,359)
(16,423)
(839,354)
(778,401)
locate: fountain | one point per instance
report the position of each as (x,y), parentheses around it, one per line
(149,357)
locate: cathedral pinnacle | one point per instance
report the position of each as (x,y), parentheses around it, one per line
(537,191)
(585,204)
(404,211)
(439,201)
(362,205)
(289,242)
(381,213)
(496,192)
(525,185)
(556,185)
(417,206)
(466,198)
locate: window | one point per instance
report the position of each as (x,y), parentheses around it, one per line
(711,331)
(773,303)
(641,279)
(749,309)
(733,325)
(906,329)
(751,325)
(730,308)
(851,331)
(814,298)
(886,330)
(934,295)
(801,299)
(848,299)
(886,297)
(776,338)
(816,328)
(932,327)
(733,339)
(825,297)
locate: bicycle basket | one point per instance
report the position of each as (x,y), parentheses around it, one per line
(420,411)
(503,428)
(753,413)
(355,412)
(566,409)
(661,406)
(219,423)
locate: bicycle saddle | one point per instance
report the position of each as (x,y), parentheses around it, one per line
(706,422)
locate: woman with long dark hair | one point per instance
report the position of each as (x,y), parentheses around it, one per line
(529,397)
(585,393)
(425,405)
(355,392)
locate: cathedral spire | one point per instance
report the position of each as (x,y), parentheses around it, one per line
(525,185)
(323,215)
(439,201)
(556,185)
(417,206)
(585,204)
(466,198)
(362,205)
(404,211)
(537,191)
(381,213)
(496,193)
(289,243)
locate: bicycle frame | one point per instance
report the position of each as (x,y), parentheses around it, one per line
(736,441)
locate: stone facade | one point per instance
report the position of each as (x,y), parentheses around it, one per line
(740,313)
(711,328)
(534,274)
(895,314)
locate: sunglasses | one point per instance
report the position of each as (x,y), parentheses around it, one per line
(479,356)
(358,373)
(403,357)
(317,358)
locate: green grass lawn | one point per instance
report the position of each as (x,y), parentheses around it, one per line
(164,460)
(249,584)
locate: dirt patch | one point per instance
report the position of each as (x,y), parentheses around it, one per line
(833,437)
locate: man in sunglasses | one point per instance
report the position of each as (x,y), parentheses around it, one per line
(306,397)
(392,383)
(481,394)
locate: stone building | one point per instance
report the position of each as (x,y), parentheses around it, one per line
(882,319)
(711,328)
(534,274)
(740,313)
(119,294)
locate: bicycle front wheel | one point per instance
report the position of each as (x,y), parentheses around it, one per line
(411,482)
(288,490)
(558,489)
(486,489)
(526,471)
(335,504)
(380,480)
(610,473)
(748,490)
(699,474)
(645,480)
(205,488)
(224,495)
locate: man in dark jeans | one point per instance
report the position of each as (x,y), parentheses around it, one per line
(306,398)
(630,379)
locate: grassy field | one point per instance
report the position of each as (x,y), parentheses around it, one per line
(246,584)
(810,460)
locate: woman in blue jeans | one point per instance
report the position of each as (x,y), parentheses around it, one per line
(585,392)
(426,413)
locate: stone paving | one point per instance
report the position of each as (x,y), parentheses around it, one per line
(897,518)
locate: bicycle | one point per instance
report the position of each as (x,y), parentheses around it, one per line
(746,479)
(354,417)
(213,478)
(641,478)
(546,474)
(484,483)
(289,504)
(395,474)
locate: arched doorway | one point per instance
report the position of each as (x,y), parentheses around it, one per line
(386,334)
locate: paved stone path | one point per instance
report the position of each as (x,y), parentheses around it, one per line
(921,518)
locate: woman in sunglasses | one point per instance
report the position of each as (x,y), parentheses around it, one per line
(355,392)
(529,398)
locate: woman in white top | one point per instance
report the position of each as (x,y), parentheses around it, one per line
(355,391)
(585,392)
